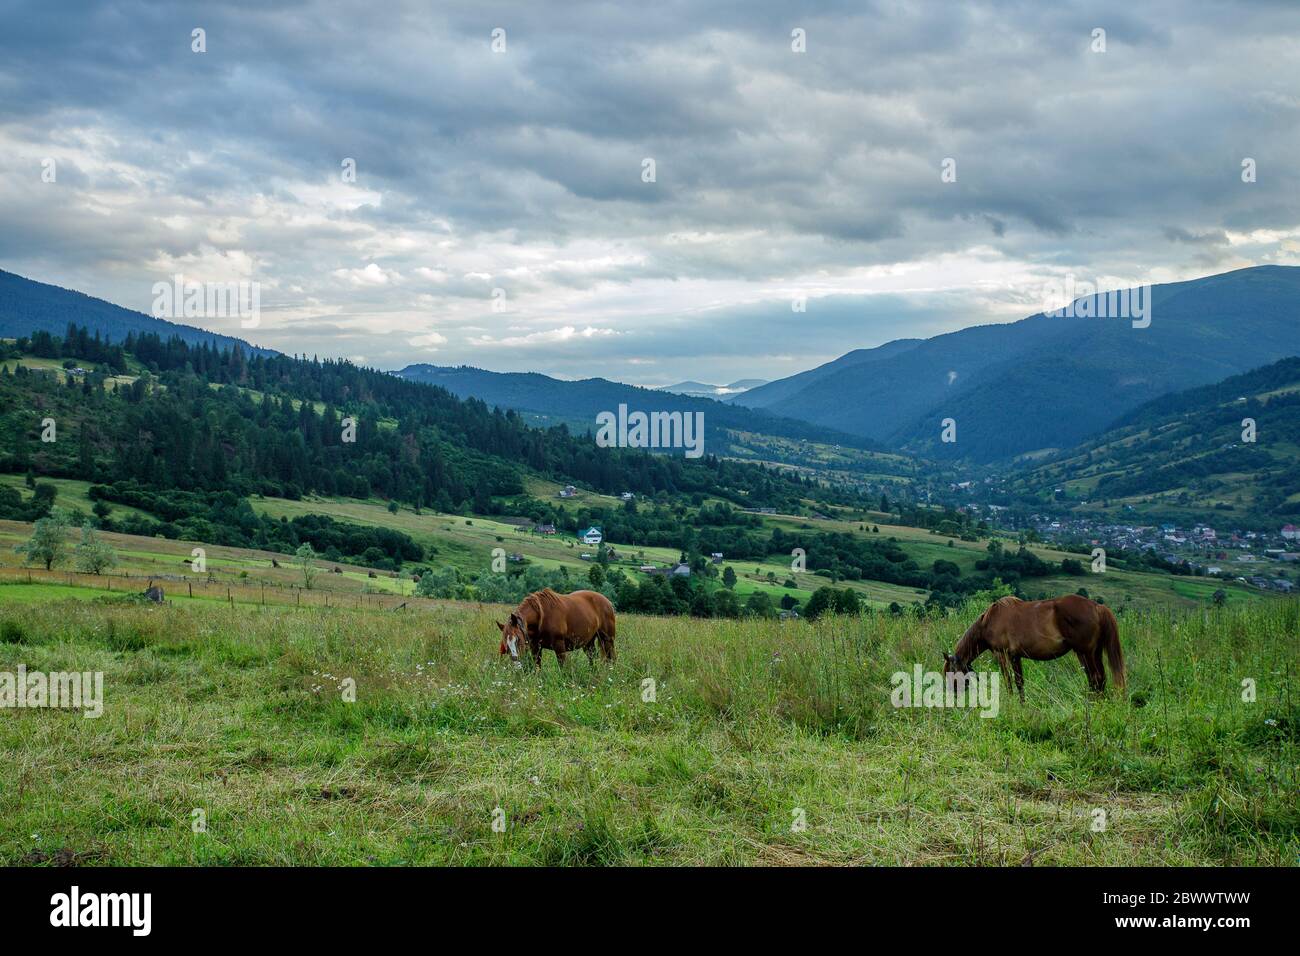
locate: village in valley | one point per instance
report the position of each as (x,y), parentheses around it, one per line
(1259,559)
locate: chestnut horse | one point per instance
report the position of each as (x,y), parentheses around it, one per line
(562,622)
(1043,631)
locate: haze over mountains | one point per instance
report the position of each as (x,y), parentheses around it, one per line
(721,392)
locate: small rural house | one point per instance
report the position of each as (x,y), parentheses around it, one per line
(591,536)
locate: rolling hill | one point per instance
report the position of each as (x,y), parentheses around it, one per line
(1046,382)
(255,453)
(1184,454)
(28,306)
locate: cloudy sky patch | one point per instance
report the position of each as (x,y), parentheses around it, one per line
(499,215)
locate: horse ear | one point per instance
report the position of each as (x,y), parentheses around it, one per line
(500,625)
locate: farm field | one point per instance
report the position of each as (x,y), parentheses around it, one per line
(468,542)
(170,563)
(754,726)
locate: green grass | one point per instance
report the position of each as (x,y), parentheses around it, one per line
(238,712)
(71,494)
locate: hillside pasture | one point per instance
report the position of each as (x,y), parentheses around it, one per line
(760,743)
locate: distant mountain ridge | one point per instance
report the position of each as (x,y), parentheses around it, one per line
(28,306)
(1046,382)
(781,390)
(578,402)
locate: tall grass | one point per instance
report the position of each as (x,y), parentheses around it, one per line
(239,712)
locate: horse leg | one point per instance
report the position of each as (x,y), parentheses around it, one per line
(537,656)
(1098,671)
(591,652)
(1020,677)
(560,651)
(1089,662)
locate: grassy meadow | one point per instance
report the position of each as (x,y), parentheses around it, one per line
(755,727)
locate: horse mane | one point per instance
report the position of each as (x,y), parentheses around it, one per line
(1009,600)
(967,642)
(543,601)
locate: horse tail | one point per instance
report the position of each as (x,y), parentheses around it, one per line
(605,612)
(1110,640)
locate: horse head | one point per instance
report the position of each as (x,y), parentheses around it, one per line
(967,649)
(952,665)
(514,636)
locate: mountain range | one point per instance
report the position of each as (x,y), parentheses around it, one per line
(1046,382)
(576,404)
(1031,387)
(1232,447)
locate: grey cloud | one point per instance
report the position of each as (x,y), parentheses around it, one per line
(772,166)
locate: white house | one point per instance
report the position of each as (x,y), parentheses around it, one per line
(591,536)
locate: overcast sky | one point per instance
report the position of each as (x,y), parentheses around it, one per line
(777,173)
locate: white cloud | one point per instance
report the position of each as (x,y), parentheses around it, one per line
(547,337)
(371,275)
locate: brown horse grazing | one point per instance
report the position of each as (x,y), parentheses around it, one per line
(562,622)
(1042,631)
